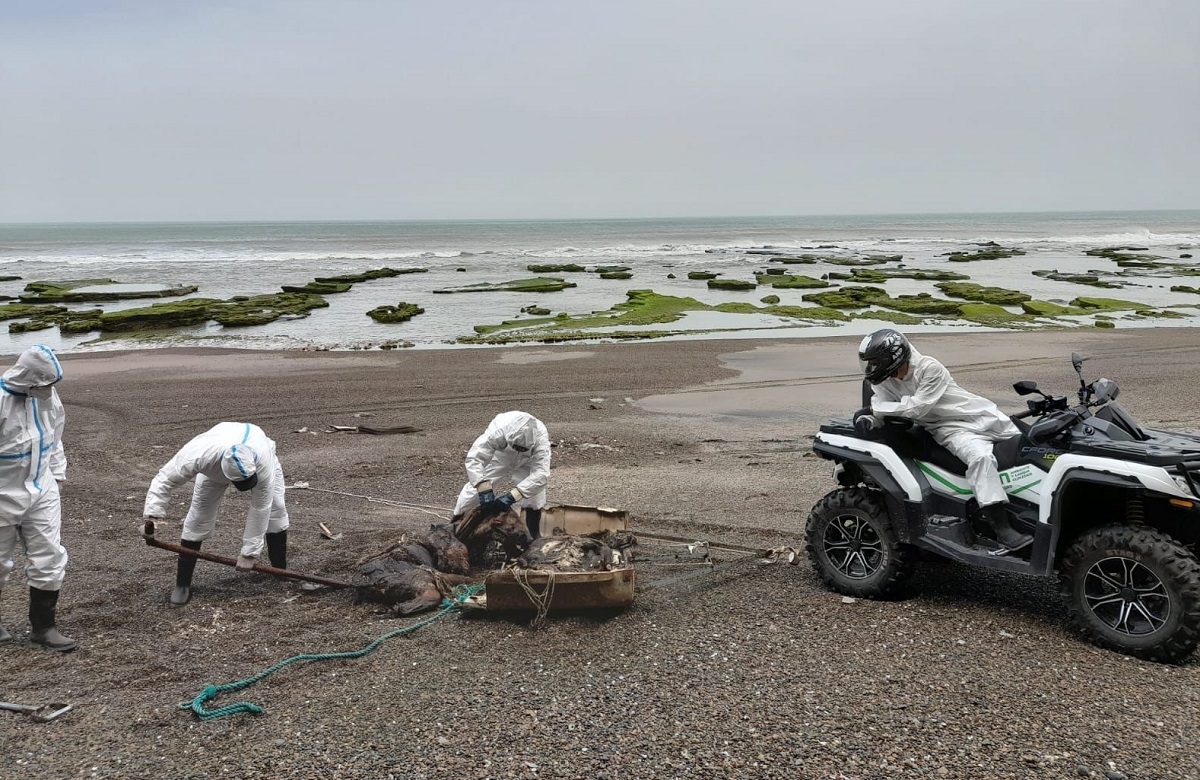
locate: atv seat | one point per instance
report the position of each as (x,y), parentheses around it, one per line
(918,444)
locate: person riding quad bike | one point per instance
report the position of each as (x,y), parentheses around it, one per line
(904,383)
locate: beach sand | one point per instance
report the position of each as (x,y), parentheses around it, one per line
(749,671)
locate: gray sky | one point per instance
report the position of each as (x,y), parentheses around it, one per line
(410,109)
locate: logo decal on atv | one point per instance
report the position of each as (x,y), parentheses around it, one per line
(1047,453)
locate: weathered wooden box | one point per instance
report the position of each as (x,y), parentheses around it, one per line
(567,591)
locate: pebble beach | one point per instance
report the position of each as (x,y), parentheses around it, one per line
(746,671)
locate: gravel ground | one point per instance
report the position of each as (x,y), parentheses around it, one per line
(749,670)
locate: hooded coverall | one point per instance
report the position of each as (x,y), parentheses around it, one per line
(32,463)
(962,422)
(516,448)
(226,453)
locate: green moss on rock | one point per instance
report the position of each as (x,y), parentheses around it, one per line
(791,282)
(615,275)
(1107,304)
(401,312)
(730,284)
(1090,279)
(560,268)
(13,311)
(701,275)
(69,291)
(991,251)
(769,299)
(366,276)
(536,284)
(318,288)
(1105,324)
(970,291)
(1048,309)
(28,326)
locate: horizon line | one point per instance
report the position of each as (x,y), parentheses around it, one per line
(578,219)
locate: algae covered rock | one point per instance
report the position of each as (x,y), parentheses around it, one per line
(1049,309)
(318,288)
(28,326)
(730,284)
(560,268)
(791,282)
(977,292)
(366,276)
(615,275)
(13,311)
(1089,278)
(769,299)
(991,252)
(881,275)
(401,312)
(94,290)
(1108,304)
(612,269)
(1105,324)
(535,284)
(535,310)
(701,275)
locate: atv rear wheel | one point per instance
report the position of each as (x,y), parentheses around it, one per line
(1134,590)
(853,547)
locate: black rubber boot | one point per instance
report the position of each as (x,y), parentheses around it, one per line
(182,593)
(533,521)
(1012,539)
(277,549)
(42,604)
(4,635)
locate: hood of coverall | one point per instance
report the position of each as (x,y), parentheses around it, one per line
(240,463)
(37,367)
(523,437)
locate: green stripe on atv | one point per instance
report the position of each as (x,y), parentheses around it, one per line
(938,477)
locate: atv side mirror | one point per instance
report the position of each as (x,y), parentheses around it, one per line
(1077,361)
(1025,387)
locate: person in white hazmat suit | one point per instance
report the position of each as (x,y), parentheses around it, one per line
(229,453)
(32,463)
(514,449)
(906,383)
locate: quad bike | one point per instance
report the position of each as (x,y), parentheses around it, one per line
(1113,508)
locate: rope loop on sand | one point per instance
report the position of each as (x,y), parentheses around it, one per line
(197,705)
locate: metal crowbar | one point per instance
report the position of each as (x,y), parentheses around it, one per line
(36,713)
(148,534)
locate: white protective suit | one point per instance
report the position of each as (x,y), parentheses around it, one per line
(225,453)
(515,448)
(32,463)
(962,422)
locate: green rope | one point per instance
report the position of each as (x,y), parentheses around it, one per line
(196,705)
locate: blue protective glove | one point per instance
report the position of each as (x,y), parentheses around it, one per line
(486,497)
(505,501)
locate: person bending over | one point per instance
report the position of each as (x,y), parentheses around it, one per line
(515,449)
(229,453)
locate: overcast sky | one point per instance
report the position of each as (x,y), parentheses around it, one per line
(410,109)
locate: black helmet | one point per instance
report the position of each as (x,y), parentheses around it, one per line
(882,353)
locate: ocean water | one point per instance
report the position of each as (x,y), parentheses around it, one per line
(227,259)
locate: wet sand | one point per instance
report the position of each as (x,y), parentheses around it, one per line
(749,671)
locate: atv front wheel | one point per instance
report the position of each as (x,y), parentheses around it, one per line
(1134,590)
(853,547)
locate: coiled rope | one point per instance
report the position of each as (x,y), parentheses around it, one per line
(452,604)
